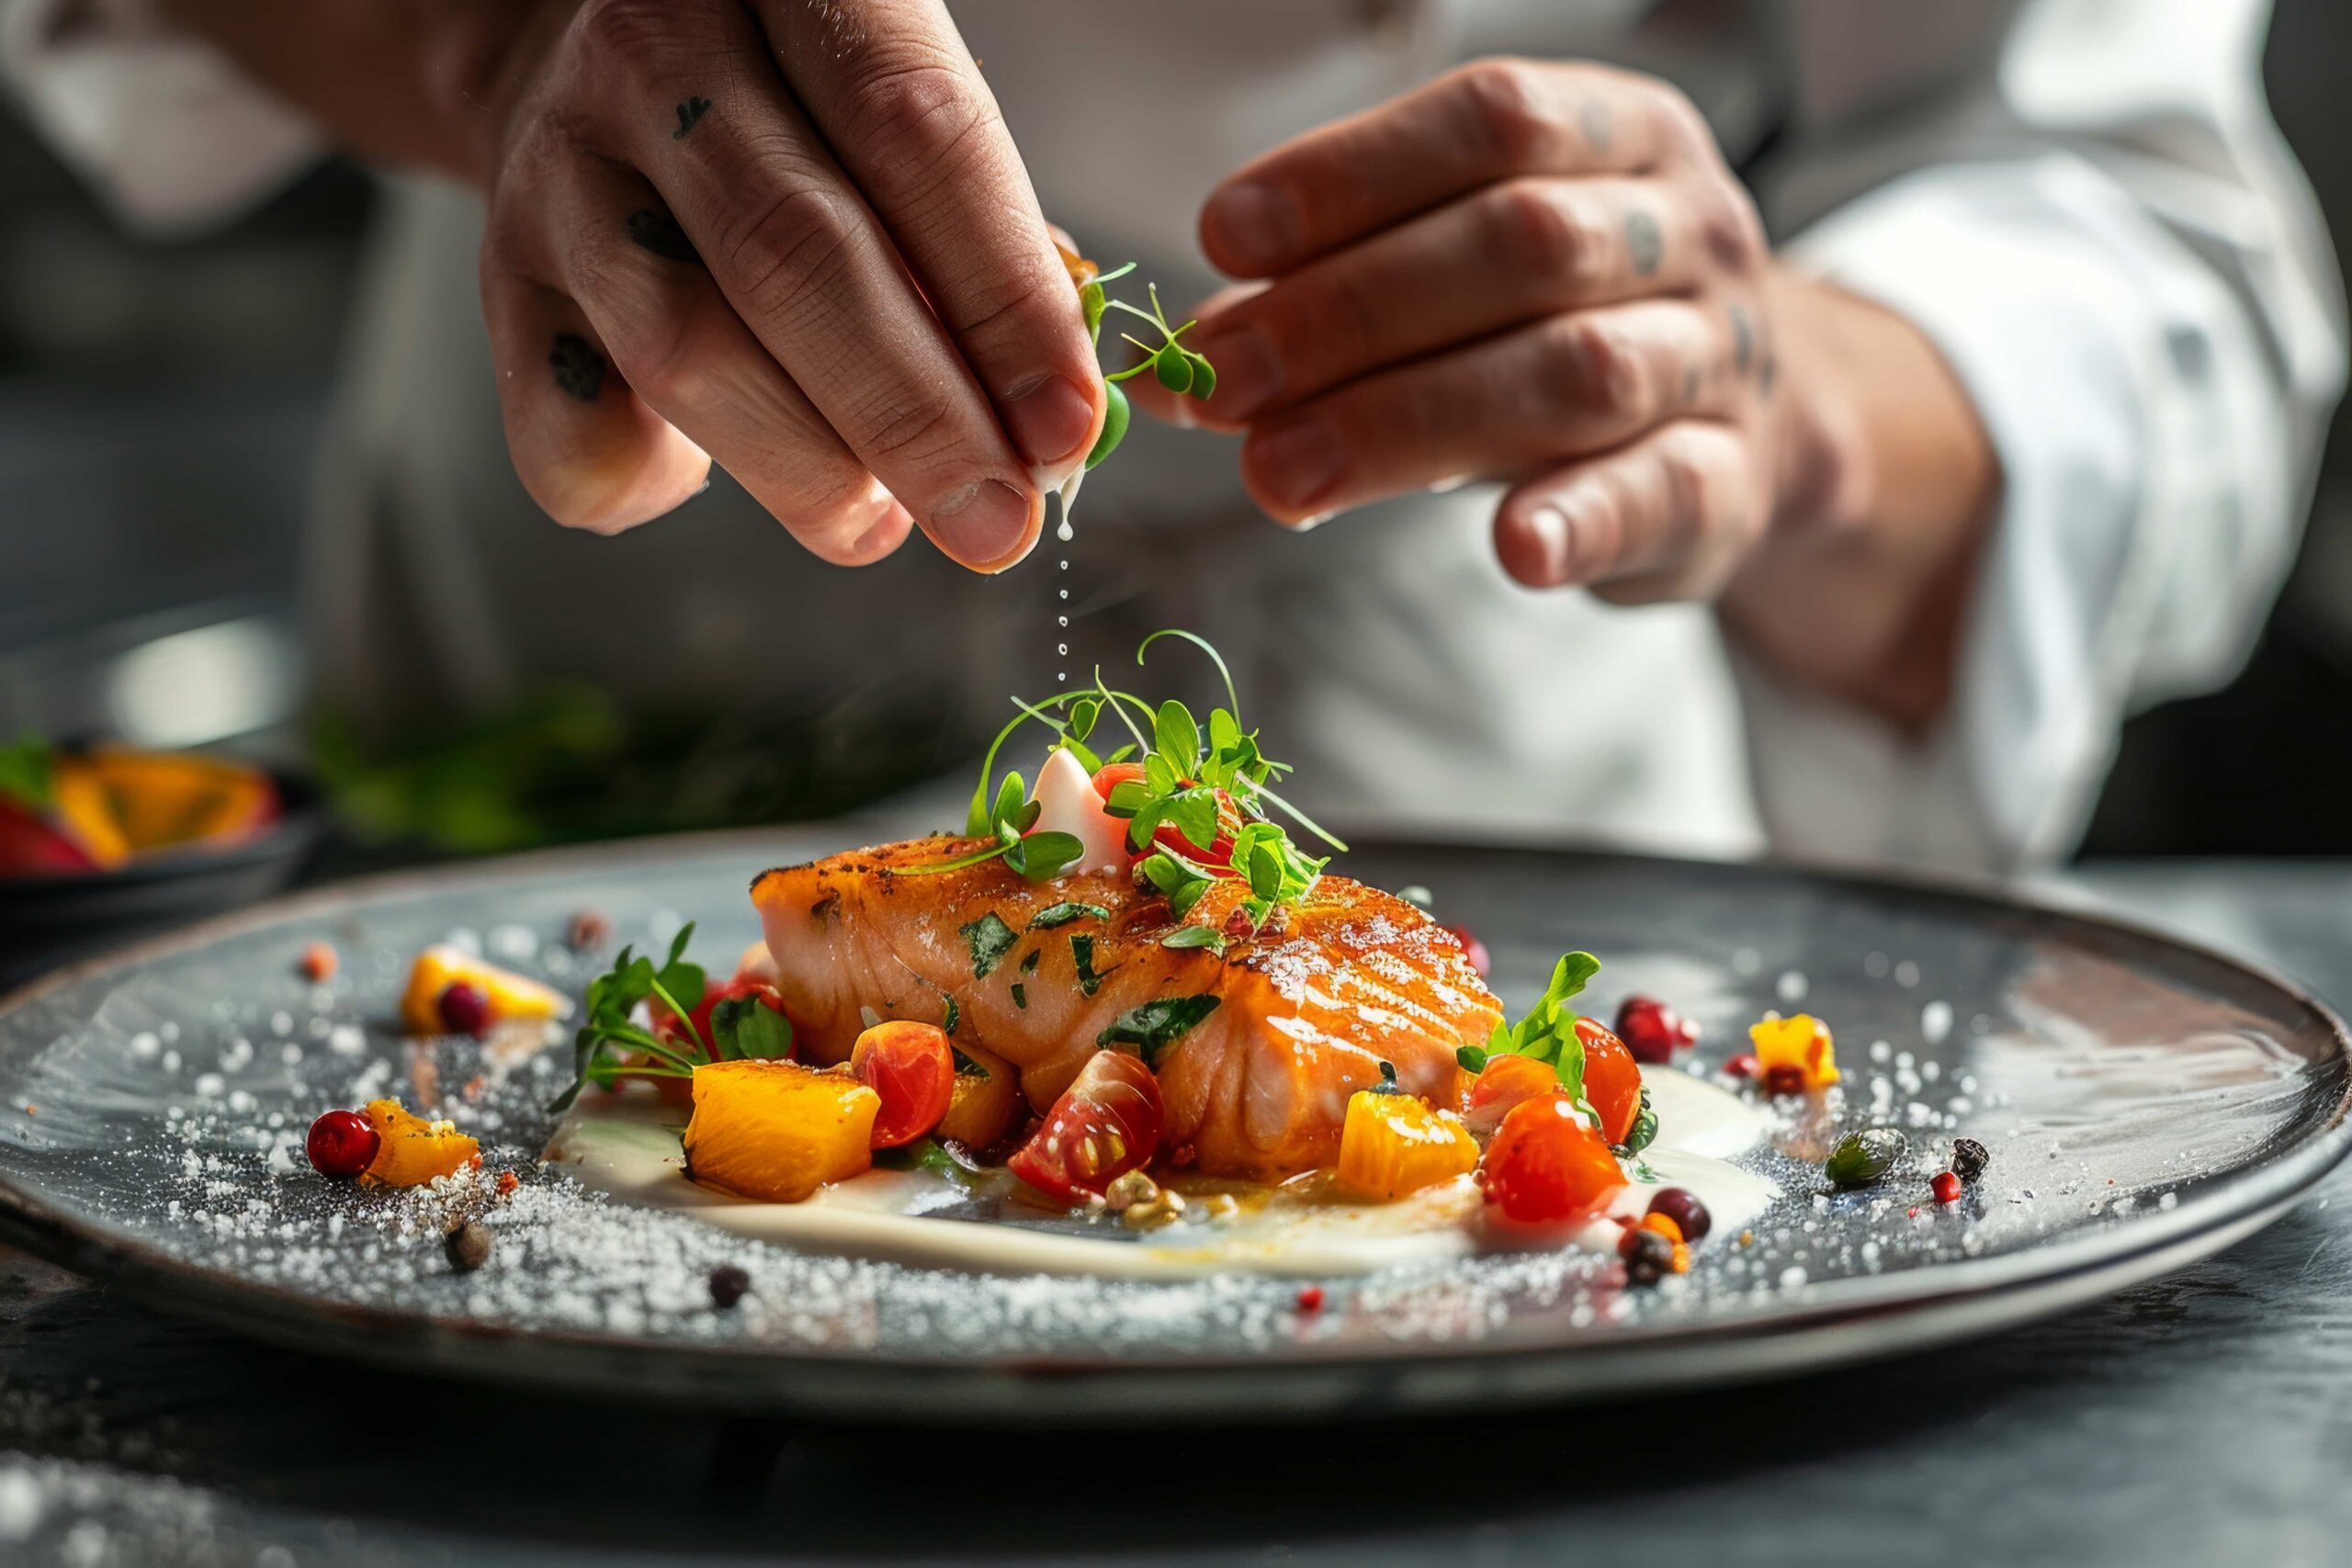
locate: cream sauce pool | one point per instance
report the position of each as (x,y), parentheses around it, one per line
(626,1145)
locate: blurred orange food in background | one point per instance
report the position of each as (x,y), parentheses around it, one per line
(66,812)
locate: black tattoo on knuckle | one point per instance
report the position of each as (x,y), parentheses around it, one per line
(659,233)
(1645,244)
(690,114)
(578,368)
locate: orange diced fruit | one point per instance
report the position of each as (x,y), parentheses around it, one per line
(982,1110)
(1802,1043)
(411,1151)
(778,1130)
(1391,1144)
(510,995)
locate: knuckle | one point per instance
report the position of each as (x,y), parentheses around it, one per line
(914,430)
(1690,487)
(923,110)
(1731,230)
(791,248)
(623,31)
(1508,108)
(1596,368)
(1544,232)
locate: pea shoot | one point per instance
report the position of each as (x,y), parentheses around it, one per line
(1174,366)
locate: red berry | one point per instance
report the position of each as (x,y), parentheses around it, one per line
(1653,1031)
(1946,1186)
(1682,1206)
(1310,1298)
(1474,950)
(1784,1080)
(1740,1066)
(317,963)
(464,1009)
(342,1143)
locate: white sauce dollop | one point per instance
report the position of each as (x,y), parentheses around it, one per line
(1066,803)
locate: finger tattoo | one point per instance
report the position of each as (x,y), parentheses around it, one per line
(578,368)
(1743,339)
(659,233)
(689,113)
(1592,119)
(1644,243)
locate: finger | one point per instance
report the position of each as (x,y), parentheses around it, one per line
(684,352)
(1568,385)
(801,257)
(906,112)
(1486,121)
(1669,516)
(1499,257)
(591,453)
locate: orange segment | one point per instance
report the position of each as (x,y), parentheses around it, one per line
(1393,1143)
(163,799)
(414,1151)
(778,1130)
(511,996)
(81,807)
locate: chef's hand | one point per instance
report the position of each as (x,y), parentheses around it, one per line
(791,238)
(1545,274)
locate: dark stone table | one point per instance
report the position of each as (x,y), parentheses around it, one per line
(2206,1418)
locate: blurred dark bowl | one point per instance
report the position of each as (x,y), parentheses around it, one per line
(49,920)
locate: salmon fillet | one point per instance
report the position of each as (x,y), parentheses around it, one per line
(1256,1089)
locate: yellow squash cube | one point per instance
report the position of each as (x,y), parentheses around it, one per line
(1803,1043)
(1393,1143)
(985,1101)
(778,1130)
(412,1150)
(511,996)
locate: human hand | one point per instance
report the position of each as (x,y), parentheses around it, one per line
(1539,273)
(791,238)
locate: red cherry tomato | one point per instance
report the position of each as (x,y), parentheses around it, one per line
(1612,1080)
(1502,1087)
(1547,1165)
(1105,1125)
(1167,836)
(912,1067)
(667,1029)
(1653,1031)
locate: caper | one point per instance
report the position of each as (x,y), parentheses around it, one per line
(1864,1157)
(1969,1159)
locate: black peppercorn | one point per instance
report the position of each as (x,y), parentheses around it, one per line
(1969,1159)
(467,1246)
(729,1285)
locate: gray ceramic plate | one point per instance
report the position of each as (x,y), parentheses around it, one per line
(2146,1102)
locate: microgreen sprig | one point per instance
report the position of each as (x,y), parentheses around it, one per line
(1178,367)
(741,1027)
(24,771)
(1548,1032)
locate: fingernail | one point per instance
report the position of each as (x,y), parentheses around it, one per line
(983,523)
(1308,524)
(1248,374)
(1548,527)
(1254,226)
(1297,464)
(1048,418)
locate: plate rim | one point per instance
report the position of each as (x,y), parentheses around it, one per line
(1816,1335)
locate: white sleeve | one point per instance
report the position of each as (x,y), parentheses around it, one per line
(2128,277)
(161,126)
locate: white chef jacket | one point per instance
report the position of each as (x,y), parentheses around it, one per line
(2083,203)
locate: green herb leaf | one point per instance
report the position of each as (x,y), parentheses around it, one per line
(744,1028)
(1020,996)
(989,939)
(1040,857)
(1645,1129)
(1203,385)
(1117,415)
(1062,913)
(1156,1025)
(1470,1060)
(27,771)
(965,1067)
(1082,957)
(950,1016)
(1178,737)
(1196,936)
(1173,366)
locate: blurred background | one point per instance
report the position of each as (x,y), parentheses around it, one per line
(160,404)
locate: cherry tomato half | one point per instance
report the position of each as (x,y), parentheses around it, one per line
(1547,1165)
(1612,1080)
(1502,1087)
(912,1067)
(1105,1125)
(1167,836)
